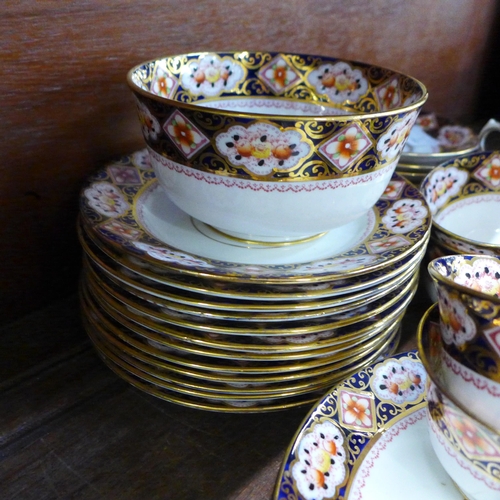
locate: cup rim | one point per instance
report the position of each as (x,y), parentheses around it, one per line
(422,352)
(448,163)
(437,276)
(347,118)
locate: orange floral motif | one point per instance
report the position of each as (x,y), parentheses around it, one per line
(347,146)
(389,95)
(185,135)
(490,173)
(469,435)
(356,410)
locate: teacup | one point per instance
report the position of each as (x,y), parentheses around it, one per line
(272,147)
(463,195)
(467,447)
(468,292)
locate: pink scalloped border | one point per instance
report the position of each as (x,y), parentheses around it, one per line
(469,376)
(266,186)
(388,436)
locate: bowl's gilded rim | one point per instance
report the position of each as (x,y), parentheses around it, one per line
(344,117)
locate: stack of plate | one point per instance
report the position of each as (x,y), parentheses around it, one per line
(193,317)
(432,141)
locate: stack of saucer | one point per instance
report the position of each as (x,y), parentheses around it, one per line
(432,141)
(204,320)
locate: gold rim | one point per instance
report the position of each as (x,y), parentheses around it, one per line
(347,118)
(139,328)
(169,323)
(460,288)
(346,338)
(157,383)
(254,305)
(213,312)
(263,370)
(225,386)
(294,295)
(255,243)
(321,356)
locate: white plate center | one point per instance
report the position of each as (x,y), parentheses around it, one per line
(167,223)
(402,464)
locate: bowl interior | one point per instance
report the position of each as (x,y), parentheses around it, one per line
(273,83)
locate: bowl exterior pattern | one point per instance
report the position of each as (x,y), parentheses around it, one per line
(355,117)
(468,290)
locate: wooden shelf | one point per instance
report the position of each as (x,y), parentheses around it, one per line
(72,429)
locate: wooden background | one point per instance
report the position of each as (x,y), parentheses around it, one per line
(65,107)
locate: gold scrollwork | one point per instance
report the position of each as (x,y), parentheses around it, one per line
(484,361)
(251,87)
(319,130)
(214,163)
(301,92)
(252,61)
(469,162)
(474,188)
(315,169)
(176,64)
(145,73)
(366,104)
(377,126)
(183,96)
(378,75)
(212,121)
(305,64)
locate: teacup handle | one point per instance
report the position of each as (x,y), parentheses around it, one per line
(491,126)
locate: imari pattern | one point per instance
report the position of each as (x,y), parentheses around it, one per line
(325,450)
(172,92)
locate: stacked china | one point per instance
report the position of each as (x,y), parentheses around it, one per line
(435,140)
(261,248)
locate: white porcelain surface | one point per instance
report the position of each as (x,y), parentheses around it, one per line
(402,464)
(472,482)
(164,220)
(258,210)
(479,394)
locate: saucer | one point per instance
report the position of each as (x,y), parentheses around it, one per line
(368,439)
(155,279)
(124,205)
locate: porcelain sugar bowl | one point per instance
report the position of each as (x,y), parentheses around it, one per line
(273,146)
